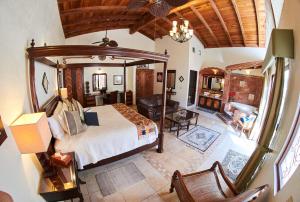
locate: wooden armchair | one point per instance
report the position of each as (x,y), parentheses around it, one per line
(212,185)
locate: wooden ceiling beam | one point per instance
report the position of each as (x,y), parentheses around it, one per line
(68,12)
(258,26)
(187,5)
(93,29)
(201,18)
(216,10)
(99,19)
(144,22)
(246,65)
(238,15)
(146,35)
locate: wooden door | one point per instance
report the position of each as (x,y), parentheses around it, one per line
(144,82)
(73,81)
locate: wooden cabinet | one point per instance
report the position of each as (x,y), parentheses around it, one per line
(90,100)
(210,103)
(129,98)
(144,82)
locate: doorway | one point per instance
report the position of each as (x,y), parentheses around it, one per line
(192,88)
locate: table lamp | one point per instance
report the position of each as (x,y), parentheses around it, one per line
(63,93)
(32,135)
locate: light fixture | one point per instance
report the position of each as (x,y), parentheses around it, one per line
(63,93)
(181,33)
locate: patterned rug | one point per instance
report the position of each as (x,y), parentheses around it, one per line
(233,163)
(206,110)
(114,179)
(200,137)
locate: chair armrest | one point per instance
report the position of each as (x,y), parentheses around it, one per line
(173,103)
(256,194)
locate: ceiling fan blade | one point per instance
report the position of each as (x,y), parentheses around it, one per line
(134,4)
(159,8)
(113,43)
(103,44)
(97,42)
(176,3)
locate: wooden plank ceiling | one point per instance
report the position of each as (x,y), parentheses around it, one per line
(216,23)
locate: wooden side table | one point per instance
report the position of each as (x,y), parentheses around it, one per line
(70,180)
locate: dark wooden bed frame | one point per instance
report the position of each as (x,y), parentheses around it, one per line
(40,54)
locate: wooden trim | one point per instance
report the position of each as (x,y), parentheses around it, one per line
(80,65)
(216,10)
(46,61)
(237,13)
(245,65)
(201,18)
(121,156)
(287,145)
(34,100)
(88,50)
(257,23)
(124,75)
(187,5)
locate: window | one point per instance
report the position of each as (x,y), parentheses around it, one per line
(289,159)
(99,82)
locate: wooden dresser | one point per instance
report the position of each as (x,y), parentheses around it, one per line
(210,103)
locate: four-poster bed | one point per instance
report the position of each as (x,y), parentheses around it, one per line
(40,54)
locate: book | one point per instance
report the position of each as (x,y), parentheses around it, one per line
(61,159)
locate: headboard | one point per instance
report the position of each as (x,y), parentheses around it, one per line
(50,105)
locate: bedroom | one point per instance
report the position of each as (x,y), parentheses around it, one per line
(43,23)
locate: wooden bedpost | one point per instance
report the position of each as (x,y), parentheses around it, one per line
(124,82)
(163,110)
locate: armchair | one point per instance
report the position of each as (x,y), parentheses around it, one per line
(150,106)
(212,185)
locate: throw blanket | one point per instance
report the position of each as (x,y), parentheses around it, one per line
(144,125)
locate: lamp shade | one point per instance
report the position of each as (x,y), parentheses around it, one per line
(64,93)
(32,133)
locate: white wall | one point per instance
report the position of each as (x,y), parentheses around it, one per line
(289,20)
(179,61)
(222,57)
(20,21)
(125,40)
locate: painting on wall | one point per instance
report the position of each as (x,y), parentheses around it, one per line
(3,135)
(45,83)
(118,80)
(159,77)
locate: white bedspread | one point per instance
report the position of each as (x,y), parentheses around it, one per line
(114,136)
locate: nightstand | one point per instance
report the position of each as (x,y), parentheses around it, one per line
(69,184)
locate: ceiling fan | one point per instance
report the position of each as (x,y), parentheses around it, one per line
(158,8)
(105,42)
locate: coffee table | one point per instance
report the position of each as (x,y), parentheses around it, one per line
(181,119)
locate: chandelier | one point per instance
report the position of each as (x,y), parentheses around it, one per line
(181,33)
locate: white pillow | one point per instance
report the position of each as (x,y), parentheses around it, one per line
(55,128)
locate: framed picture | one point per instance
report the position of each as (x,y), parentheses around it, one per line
(118,79)
(3,135)
(159,77)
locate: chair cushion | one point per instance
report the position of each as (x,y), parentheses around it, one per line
(203,187)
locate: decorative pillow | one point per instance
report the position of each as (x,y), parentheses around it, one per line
(78,107)
(55,128)
(91,118)
(58,108)
(74,124)
(69,105)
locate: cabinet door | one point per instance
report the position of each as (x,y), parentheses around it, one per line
(144,82)
(216,104)
(202,101)
(209,102)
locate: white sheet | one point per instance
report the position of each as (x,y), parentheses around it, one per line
(114,136)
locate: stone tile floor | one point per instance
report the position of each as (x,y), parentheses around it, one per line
(158,168)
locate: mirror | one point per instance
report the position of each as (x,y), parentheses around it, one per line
(99,81)
(213,83)
(171,79)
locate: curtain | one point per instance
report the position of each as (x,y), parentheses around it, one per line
(267,129)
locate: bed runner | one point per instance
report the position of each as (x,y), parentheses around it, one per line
(144,125)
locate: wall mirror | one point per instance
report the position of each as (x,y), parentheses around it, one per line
(215,83)
(99,81)
(171,79)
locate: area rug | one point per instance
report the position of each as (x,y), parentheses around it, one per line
(113,180)
(233,163)
(200,137)
(206,110)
